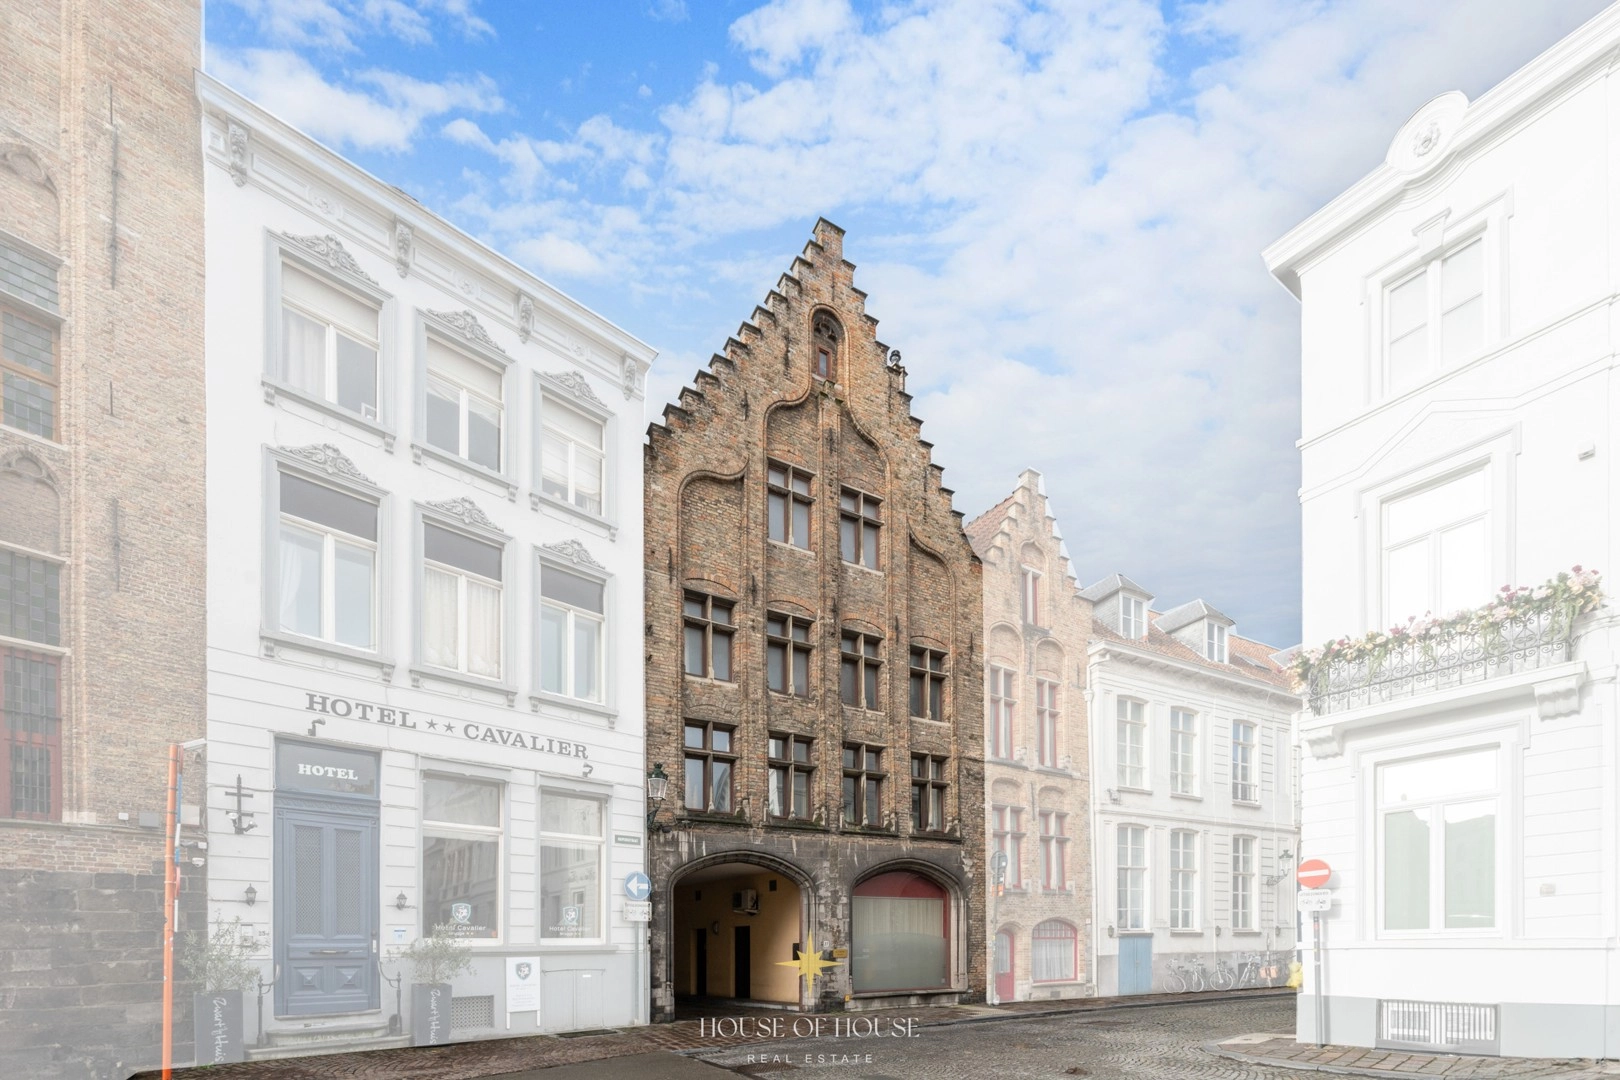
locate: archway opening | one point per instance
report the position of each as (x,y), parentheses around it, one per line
(735,923)
(900,934)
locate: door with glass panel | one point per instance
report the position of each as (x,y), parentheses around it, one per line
(326,908)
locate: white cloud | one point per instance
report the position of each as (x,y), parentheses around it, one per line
(1057,207)
(388,119)
(668,10)
(338,24)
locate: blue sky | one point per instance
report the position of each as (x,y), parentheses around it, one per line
(1056,206)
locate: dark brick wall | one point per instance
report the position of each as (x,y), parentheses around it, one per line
(706,505)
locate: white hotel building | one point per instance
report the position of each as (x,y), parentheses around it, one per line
(1460,398)
(424,504)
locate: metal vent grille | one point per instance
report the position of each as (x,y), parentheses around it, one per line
(467,1013)
(1438,1025)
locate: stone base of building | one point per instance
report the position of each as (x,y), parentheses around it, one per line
(917,1000)
(81,952)
(1521,1029)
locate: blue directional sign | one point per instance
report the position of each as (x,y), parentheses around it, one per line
(637,886)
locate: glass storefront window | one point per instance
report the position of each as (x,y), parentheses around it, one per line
(571,873)
(899,934)
(461,855)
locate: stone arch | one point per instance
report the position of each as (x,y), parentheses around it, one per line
(1049,659)
(920,882)
(826,344)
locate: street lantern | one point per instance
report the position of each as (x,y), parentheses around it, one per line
(657,786)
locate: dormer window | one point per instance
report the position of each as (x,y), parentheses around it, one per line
(1132,616)
(824,347)
(1215,642)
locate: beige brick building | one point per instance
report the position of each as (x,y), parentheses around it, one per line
(101,521)
(813,672)
(1036,627)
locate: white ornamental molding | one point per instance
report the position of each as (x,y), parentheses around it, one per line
(330,251)
(574,382)
(574,552)
(525,318)
(630,376)
(330,460)
(236,143)
(467,325)
(404,246)
(465,511)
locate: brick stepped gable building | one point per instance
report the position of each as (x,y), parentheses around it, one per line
(814,675)
(101,520)
(1036,628)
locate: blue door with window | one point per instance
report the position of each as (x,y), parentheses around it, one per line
(1136,964)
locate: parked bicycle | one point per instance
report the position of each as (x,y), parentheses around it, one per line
(1184,974)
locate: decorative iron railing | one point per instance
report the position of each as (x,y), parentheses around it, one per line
(1441,661)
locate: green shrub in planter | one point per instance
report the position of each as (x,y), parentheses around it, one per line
(222,962)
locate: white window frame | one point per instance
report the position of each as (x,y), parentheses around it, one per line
(1053,825)
(1003,711)
(273,640)
(1435,238)
(1132,616)
(551,387)
(1131,714)
(281,248)
(1246,789)
(457,830)
(1245,884)
(1216,639)
(1048,718)
(606,704)
(1183,881)
(1007,836)
(1184,770)
(1505,740)
(329,538)
(1497,452)
(1131,919)
(423,673)
(604,869)
(431,327)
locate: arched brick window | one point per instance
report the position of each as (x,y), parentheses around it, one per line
(824,339)
(1055,952)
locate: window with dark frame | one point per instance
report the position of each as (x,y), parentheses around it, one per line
(788,505)
(787,654)
(927,683)
(860,667)
(928,786)
(860,518)
(28,373)
(790,775)
(825,342)
(31,770)
(863,785)
(708,631)
(709,765)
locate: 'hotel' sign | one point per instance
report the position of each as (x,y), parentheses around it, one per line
(348,708)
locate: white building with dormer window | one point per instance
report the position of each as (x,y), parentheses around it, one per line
(425,679)
(1193,800)
(1459,399)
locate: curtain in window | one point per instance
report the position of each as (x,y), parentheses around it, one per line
(900,943)
(303,343)
(553,650)
(1052,957)
(353,584)
(439,639)
(483,630)
(587,657)
(300,582)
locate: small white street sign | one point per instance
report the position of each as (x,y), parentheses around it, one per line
(1315,899)
(638,911)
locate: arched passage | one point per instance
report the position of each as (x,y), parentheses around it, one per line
(735,917)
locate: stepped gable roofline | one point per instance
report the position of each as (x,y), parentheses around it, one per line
(1189,613)
(982,530)
(1112,584)
(1247,659)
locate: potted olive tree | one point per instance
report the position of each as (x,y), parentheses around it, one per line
(435,959)
(221,962)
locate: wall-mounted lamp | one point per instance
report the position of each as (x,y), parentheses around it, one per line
(250,896)
(399,901)
(1110,929)
(657,788)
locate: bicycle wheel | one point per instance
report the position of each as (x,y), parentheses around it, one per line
(1174,983)
(1222,979)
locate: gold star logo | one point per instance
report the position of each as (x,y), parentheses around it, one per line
(809,963)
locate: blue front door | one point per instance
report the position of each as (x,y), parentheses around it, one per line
(326,908)
(1136,964)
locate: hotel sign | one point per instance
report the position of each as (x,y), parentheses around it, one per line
(371,713)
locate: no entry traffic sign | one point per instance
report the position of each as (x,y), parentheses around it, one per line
(1314,873)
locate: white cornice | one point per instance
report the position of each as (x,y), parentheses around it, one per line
(1581,55)
(226,107)
(1102,648)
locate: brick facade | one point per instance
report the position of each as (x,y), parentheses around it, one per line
(1035,663)
(100,187)
(707,500)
